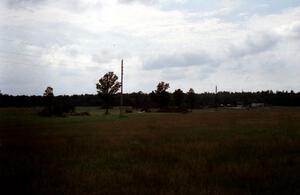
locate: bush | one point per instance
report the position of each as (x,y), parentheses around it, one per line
(58,107)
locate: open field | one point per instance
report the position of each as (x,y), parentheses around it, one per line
(204,152)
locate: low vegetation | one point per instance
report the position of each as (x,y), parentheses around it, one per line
(203,152)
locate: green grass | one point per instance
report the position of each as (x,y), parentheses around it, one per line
(204,152)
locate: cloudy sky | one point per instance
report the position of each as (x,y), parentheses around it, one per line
(247,45)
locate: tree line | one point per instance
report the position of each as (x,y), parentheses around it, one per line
(141,100)
(160,98)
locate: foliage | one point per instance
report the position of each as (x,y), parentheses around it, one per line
(191,97)
(145,100)
(49,92)
(49,97)
(107,87)
(139,100)
(161,96)
(178,96)
(56,106)
(162,87)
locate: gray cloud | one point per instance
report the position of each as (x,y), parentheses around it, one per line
(69,45)
(104,56)
(23,3)
(74,6)
(178,60)
(295,30)
(173,74)
(254,44)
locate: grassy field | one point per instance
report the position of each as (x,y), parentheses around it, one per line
(204,152)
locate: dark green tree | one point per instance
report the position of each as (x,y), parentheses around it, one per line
(107,87)
(138,99)
(178,96)
(161,96)
(48,97)
(48,92)
(191,98)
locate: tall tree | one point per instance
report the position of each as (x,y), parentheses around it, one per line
(178,96)
(191,97)
(48,92)
(49,98)
(107,87)
(160,95)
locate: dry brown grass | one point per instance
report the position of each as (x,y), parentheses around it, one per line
(204,152)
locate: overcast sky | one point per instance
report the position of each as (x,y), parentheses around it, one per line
(247,45)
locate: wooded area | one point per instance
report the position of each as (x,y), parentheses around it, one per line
(144,100)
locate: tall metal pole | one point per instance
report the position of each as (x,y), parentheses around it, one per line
(121,97)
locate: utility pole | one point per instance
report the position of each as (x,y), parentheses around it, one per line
(216,97)
(121,97)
